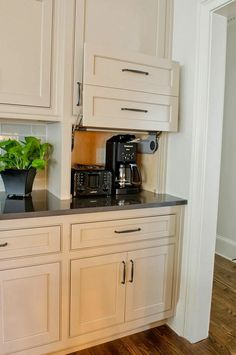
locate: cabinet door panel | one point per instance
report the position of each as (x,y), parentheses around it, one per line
(121,69)
(25,46)
(115,108)
(29,307)
(150,292)
(97,294)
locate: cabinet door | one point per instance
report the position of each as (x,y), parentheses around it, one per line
(150,291)
(140,26)
(25,47)
(29,307)
(97,293)
(125,109)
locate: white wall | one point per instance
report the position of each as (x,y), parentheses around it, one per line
(226,229)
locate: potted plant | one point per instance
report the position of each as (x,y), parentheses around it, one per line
(20,161)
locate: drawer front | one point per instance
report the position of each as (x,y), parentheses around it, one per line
(121,231)
(23,242)
(114,108)
(131,71)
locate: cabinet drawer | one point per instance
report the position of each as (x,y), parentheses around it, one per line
(132,71)
(121,231)
(114,108)
(23,242)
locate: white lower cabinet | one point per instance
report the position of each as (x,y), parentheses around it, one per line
(29,307)
(69,283)
(97,293)
(113,289)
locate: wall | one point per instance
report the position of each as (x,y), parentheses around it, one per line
(19,131)
(226,229)
(180,144)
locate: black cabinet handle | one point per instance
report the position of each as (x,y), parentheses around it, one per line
(133,109)
(135,71)
(3,245)
(79,93)
(124,273)
(132,271)
(128,231)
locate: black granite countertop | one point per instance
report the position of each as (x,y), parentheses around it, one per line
(42,203)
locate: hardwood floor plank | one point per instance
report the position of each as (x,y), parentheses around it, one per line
(163,341)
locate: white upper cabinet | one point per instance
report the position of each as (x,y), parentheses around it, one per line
(142,27)
(28,60)
(129,90)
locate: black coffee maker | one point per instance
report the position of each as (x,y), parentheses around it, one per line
(121,156)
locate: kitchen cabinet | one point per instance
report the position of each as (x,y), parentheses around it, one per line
(29,32)
(109,290)
(129,90)
(150,283)
(138,27)
(30,284)
(71,282)
(97,293)
(29,307)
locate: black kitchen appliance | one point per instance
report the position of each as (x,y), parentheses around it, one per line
(121,157)
(90,180)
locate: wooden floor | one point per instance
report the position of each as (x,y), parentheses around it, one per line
(162,340)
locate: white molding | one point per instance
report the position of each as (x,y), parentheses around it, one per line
(225,247)
(193,315)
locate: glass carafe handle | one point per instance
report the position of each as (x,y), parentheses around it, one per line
(135,171)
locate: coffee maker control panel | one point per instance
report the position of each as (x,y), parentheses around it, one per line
(127,153)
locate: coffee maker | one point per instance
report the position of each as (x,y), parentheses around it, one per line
(121,156)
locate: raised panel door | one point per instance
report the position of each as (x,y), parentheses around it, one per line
(29,307)
(26,52)
(150,283)
(97,293)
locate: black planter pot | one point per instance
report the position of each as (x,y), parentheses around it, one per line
(18,182)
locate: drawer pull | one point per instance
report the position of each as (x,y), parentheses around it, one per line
(135,71)
(3,245)
(133,109)
(79,94)
(128,231)
(132,271)
(124,273)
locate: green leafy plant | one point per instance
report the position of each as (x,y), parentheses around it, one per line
(27,154)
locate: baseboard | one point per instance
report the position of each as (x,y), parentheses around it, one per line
(225,247)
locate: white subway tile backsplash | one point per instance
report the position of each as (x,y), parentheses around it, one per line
(39,130)
(13,129)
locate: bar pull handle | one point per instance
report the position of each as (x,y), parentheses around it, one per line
(132,271)
(128,231)
(135,71)
(3,245)
(133,109)
(124,273)
(79,93)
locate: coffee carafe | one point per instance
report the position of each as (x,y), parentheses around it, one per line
(121,155)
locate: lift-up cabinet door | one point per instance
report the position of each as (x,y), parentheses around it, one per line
(129,90)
